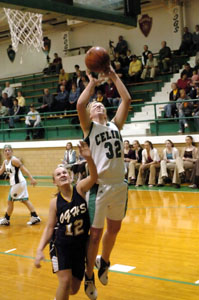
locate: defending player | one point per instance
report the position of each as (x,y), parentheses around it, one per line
(110,194)
(18,190)
(69,211)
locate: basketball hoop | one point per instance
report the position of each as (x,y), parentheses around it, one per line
(25,29)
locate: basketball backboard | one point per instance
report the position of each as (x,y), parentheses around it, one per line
(110,12)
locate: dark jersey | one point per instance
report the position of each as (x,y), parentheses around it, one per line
(73,220)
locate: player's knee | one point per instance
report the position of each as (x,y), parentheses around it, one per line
(74,289)
(95,236)
(65,282)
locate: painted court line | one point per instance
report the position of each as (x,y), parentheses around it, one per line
(121,268)
(123,273)
(10,250)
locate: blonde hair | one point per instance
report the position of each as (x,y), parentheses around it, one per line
(88,108)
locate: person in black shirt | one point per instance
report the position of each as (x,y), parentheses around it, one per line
(67,228)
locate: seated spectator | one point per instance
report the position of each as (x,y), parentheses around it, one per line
(73,96)
(67,84)
(150,68)
(111,51)
(4,111)
(63,76)
(100,97)
(151,162)
(187,70)
(170,109)
(185,162)
(32,121)
(145,55)
(135,162)
(196,39)
(69,157)
(10,91)
(47,102)
(120,72)
(17,111)
(21,101)
(195,176)
(78,79)
(56,65)
(135,69)
(187,42)
(165,57)
(84,82)
(196,110)
(128,152)
(62,99)
(195,78)
(79,169)
(170,153)
(111,93)
(117,59)
(185,109)
(121,46)
(127,61)
(193,90)
(183,83)
(7,102)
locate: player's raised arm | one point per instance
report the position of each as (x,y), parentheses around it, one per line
(122,111)
(85,184)
(2,169)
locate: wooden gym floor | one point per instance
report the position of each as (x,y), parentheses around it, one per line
(159,237)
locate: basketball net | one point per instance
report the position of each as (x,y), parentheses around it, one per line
(25,29)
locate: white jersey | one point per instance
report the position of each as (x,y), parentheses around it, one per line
(107,152)
(14,173)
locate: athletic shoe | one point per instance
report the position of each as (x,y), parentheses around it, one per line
(4,222)
(34,220)
(102,267)
(90,288)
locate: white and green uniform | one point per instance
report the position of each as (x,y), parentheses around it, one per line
(18,190)
(108,197)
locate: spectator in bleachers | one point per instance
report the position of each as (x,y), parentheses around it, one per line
(135,69)
(78,79)
(117,59)
(111,92)
(56,65)
(67,84)
(151,162)
(184,83)
(79,169)
(165,57)
(193,90)
(185,109)
(73,96)
(32,121)
(69,158)
(145,55)
(196,110)
(121,46)
(134,164)
(47,102)
(128,155)
(187,42)
(84,82)
(4,111)
(21,101)
(119,70)
(170,153)
(16,112)
(61,102)
(185,162)
(187,70)
(196,39)
(10,91)
(100,97)
(150,68)
(111,51)
(63,76)
(195,176)
(7,102)
(170,109)
(195,77)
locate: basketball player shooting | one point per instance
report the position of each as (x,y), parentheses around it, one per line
(110,193)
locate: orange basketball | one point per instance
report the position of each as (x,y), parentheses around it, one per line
(97,59)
